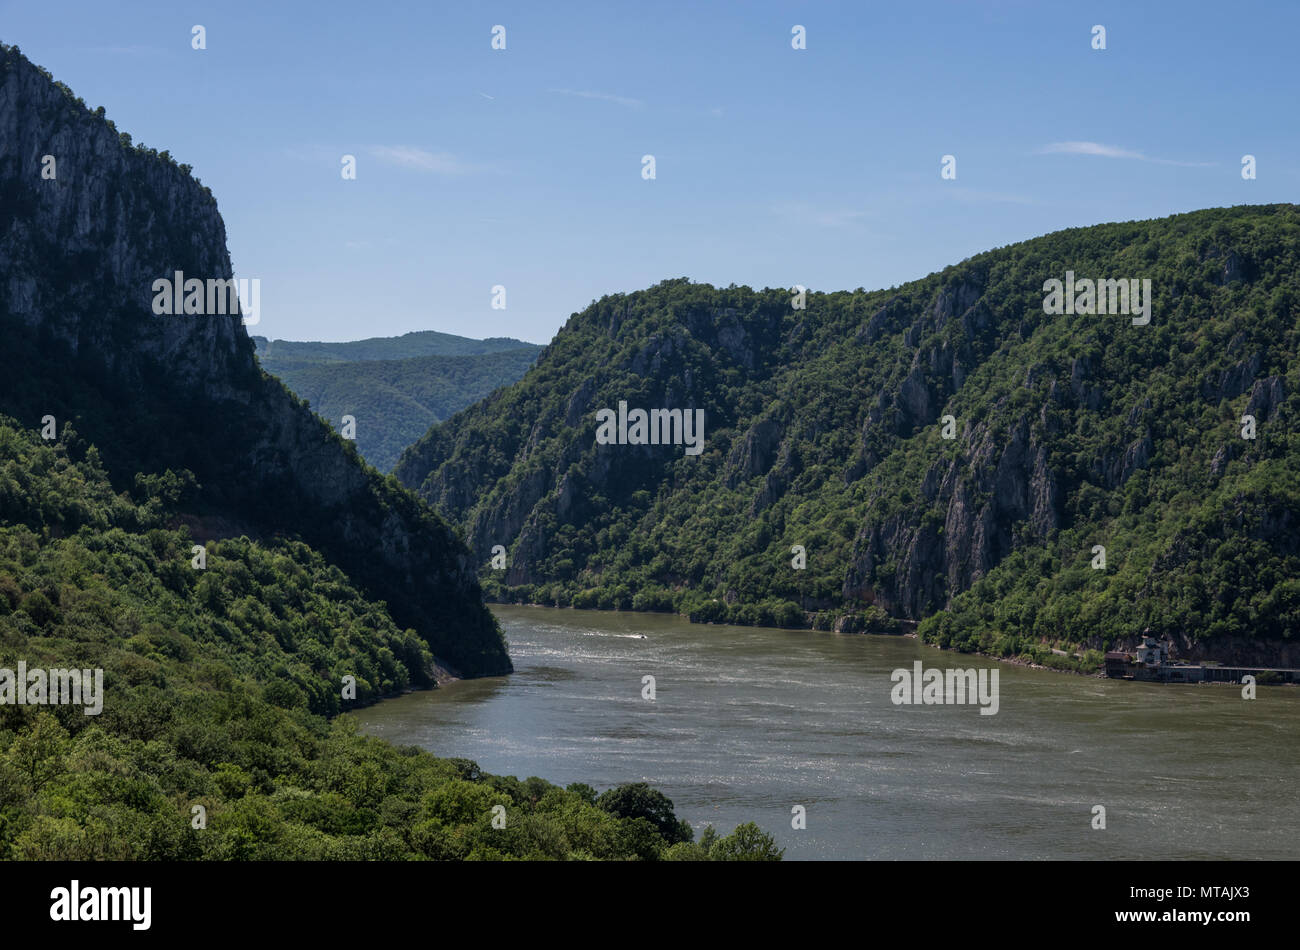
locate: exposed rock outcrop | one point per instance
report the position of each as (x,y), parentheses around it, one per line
(78,257)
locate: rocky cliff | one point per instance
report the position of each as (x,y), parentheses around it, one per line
(84,233)
(944,449)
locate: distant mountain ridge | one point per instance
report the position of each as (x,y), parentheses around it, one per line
(406,346)
(395,387)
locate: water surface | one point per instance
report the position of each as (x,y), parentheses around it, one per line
(748,722)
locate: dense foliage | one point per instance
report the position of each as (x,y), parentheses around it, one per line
(394,398)
(824,430)
(81,252)
(322,576)
(218,686)
(150,426)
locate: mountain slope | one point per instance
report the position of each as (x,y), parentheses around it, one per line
(393,401)
(207,736)
(824,428)
(79,255)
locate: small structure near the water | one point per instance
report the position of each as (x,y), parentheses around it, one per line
(1152,663)
(1117,664)
(1152,652)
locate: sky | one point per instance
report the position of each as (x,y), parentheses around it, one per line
(523,167)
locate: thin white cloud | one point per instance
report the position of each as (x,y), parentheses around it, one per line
(808,215)
(1088,148)
(1111,151)
(419,159)
(602,96)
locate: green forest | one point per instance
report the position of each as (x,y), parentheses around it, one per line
(124,441)
(943,454)
(824,429)
(395,388)
(222,693)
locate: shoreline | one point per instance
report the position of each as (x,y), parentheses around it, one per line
(907,634)
(910,634)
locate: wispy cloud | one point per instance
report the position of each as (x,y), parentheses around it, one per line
(811,216)
(419,159)
(602,96)
(1112,151)
(1088,148)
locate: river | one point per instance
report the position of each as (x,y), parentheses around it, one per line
(748,722)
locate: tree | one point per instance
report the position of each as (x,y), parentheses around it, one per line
(639,800)
(583,791)
(38,752)
(747,843)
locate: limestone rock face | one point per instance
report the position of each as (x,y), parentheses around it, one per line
(754,454)
(910,567)
(1265,398)
(78,258)
(112,221)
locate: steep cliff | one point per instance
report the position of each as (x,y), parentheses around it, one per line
(79,254)
(827,428)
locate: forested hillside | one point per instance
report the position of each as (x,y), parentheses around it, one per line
(79,256)
(213,740)
(126,437)
(415,381)
(825,429)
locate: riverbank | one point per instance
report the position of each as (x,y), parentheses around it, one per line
(901,628)
(1085,661)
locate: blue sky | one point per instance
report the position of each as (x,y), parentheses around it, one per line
(775,166)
